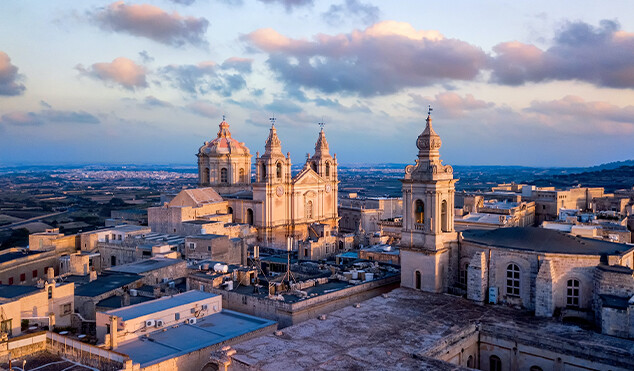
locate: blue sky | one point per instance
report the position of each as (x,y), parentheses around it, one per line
(512,83)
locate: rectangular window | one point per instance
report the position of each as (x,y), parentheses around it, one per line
(208,248)
(201,287)
(10,280)
(22,277)
(35,273)
(177,316)
(6,326)
(65,309)
(193,310)
(192,246)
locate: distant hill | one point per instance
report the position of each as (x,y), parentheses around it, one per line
(611,165)
(612,178)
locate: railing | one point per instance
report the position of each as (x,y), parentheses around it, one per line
(82,350)
(419,226)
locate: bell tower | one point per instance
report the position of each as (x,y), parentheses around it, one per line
(428,231)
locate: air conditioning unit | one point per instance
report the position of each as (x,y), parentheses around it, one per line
(159,323)
(493,295)
(165,280)
(172,284)
(204,307)
(191,321)
(149,323)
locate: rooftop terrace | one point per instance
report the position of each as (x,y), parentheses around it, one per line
(159,305)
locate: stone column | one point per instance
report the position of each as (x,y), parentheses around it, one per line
(544,301)
(478,278)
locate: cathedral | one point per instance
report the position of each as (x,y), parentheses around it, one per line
(277,203)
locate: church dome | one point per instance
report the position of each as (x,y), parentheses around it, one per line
(223,144)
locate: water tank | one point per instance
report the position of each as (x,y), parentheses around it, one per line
(369,276)
(229,285)
(133,292)
(355,275)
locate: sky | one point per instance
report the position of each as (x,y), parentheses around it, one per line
(537,83)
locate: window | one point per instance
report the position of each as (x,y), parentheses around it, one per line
(35,273)
(309,210)
(419,212)
(263,173)
(65,309)
(279,170)
(243,179)
(192,246)
(205,177)
(470,362)
(119,237)
(208,248)
(313,166)
(495,363)
(464,276)
(192,311)
(50,292)
(418,280)
(201,287)
(572,293)
(113,260)
(249,217)
(177,316)
(306,252)
(6,326)
(10,280)
(223,175)
(230,210)
(535,368)
(22,277)
(443,216)
(327,168)
(513,280)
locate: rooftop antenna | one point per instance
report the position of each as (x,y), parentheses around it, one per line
(289,246)
(272,119)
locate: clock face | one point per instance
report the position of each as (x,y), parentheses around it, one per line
(328,188)
(279,191)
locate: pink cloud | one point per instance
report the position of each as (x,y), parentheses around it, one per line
(9,77)
(122,71)
(449,104)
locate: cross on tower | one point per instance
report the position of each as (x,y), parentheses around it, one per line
(272,119)
(429,110)
(321,124)
(223,117)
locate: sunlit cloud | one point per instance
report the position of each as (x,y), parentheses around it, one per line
(152,22)
(450,104)
(9,77)
(207,77)
(21,118)
(338,14)
(121,71)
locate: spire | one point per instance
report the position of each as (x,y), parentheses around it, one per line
(428,142)
(273,144)
(321,147)
(224,129)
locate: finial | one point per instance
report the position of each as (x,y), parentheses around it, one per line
(223,117)
(272,119)
(429,110)
(321,124)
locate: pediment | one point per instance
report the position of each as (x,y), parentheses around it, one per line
(307,176)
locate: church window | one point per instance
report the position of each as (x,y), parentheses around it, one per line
(279,171)
(263,173)
(513,280)
(418,280)
(572,293)
(419,212)
(327,168)
(309,210)
(50,292)
(249,216)
(313,166)
(205,178)
(470,362)
(443,216)
(243,179)
(495,363)
(464,276)
(223,175)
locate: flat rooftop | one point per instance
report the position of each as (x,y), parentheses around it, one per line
(185,338)
(397,330)
(158,305)
(543,240)
(146,265)
(114,302)
(14,291)
(106,281)
(9,256)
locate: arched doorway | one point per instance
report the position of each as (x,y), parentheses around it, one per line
(249,217)
(113,261)
(418,280)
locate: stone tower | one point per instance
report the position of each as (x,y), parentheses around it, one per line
(428,216)
(224,163)
(325,166)
(272,185)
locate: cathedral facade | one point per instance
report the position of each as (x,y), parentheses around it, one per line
(277,203)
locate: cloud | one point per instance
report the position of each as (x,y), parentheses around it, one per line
(279,106)
(21,118)
(205,77)
(382,59)
(146,57)
(451,105)
(289,5)
(183,2)
(122,71)
(337,14)
(204,108)
(598,55)
(9,77)
(151,101)
(153,23)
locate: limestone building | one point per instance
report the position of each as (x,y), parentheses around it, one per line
(278,204)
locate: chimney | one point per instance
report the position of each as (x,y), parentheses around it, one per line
(93,276)
(125,299)
(50,275)
(113,332)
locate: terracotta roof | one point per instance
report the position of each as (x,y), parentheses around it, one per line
(195,197)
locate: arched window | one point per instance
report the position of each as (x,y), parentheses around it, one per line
(470,362)
(443,216)
(419,212)
(572,293)
(309,210)
(113,261)
(495,363)
(535,368)
(418,280)
(313,166)
(263,173)
(243,179)
(205,178)
(279,171)
(327,168)
(249,216)
(223,175)
(50,292)
(464,276)
(513,280)
(230,210)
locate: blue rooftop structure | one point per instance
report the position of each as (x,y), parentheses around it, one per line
(13,291)
(105,282)
(159,305)
(182,339)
